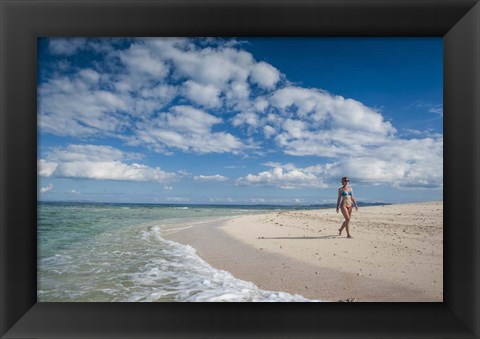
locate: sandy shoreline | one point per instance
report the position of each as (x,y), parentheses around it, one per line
(396,253)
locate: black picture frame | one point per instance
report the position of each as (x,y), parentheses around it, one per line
(22,21)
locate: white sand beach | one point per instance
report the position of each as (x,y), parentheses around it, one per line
(396,253)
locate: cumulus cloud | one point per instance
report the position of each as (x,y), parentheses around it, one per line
(148,100)
(76,106)
(46,168)
(283,178)
(131,84)
(46,189)
(218,66)
(210,66)
(428,133)
(188,129)
(269,131)
(314,122)
(210,96)
(89,75)
(98,163)
(216,177)
(246,118)
(265,75)
(92,153)
(112,170)
(66,46)
(288,166)
(403,164)
(141,61)
(204,95)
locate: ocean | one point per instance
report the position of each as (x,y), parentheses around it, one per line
(100,252)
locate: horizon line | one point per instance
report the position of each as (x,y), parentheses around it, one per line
(225,204)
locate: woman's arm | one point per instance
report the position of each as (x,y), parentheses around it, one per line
(338,199)
(354,200)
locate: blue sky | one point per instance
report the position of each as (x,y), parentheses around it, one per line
(240,120)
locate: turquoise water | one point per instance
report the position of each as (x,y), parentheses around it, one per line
(116,252)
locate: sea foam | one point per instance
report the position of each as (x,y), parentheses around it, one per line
(108,253)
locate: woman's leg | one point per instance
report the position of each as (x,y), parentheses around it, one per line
(350,209)
(346,215)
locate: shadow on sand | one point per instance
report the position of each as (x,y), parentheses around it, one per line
(324,237)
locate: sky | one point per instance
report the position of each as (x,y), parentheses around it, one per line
(239,120)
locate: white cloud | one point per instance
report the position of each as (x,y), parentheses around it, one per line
(221,96)
(188,129)
(428,133)
(429,106)
(286,179)
(112,170)
(90,153)
(89,75)
(234,166)
(98,163)
(66,46)
(324,110)
(140,61)
(189,119)
(403,164)
(222,66)
(246,118)
(268,131)
(265,75)
(312,122)
(288,166)
(177,199)
(46,168)
(104,98)
(260,104)
(149,99)
(162,92)
(46,189)
(295,128)
(77,107)
(216,177)
(209,66)
(437,109)
(204,95)
(237,94)
(184,173)
(257,200)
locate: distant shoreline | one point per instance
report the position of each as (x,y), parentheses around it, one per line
(258,206)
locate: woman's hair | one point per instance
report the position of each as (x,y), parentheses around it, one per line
(345,178)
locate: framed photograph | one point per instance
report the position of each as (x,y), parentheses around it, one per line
(206,152)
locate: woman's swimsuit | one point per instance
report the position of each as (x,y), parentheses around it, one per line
(346,198)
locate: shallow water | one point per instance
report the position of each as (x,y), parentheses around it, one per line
(115,252)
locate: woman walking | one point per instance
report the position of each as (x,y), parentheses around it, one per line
(345,198)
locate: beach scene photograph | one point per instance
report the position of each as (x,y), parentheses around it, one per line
(240,169)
